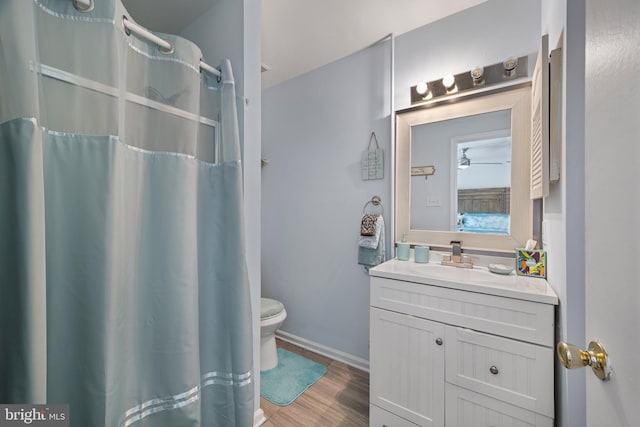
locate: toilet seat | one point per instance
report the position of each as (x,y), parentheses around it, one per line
(270,308)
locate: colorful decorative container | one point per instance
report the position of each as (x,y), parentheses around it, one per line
(532,263)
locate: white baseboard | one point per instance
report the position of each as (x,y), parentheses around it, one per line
(258,418)
(349,359)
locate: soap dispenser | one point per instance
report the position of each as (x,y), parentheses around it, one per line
(404,248)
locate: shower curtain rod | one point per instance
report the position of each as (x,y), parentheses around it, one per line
(167,46)
(130,26)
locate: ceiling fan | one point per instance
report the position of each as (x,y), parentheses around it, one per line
(464,161)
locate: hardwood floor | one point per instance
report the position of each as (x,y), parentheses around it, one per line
(339,399)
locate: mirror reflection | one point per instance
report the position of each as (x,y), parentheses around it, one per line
(470,191)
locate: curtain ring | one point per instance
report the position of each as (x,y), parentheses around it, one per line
(167,51)
(81,7)
(124,27)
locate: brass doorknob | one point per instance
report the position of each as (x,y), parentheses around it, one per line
(596,356)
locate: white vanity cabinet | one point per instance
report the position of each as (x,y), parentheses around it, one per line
(459,348)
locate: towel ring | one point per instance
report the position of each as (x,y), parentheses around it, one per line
(375,201)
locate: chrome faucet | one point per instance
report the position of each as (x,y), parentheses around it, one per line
(456,251)
(456,259)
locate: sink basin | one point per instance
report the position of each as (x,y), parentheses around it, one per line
(454,274)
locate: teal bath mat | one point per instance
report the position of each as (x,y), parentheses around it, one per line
(293,375)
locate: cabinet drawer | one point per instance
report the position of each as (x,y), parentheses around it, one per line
(381,418)
(514,372)
(465,408)
(523,320)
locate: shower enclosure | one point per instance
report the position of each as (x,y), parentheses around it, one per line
(123,284)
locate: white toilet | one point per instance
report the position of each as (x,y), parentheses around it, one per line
(272,314)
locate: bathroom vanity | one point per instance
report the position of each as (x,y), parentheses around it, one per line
(460,347)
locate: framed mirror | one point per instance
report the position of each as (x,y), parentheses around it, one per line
(479,151)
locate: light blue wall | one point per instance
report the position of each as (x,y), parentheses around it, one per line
(314,128)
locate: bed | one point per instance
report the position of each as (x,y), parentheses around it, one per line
(484,210)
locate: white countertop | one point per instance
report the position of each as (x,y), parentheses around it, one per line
(477,279)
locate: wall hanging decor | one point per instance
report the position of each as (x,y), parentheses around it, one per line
(372,164)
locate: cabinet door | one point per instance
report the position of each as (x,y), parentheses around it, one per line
(407,367)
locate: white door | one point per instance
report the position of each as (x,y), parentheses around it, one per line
(612,202)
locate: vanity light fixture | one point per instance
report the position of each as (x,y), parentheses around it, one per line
(449,82)
(479,77)
(510,64)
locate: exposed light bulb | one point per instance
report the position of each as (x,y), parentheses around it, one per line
(510,64)
(449,81)
(477,74)
(422,88)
